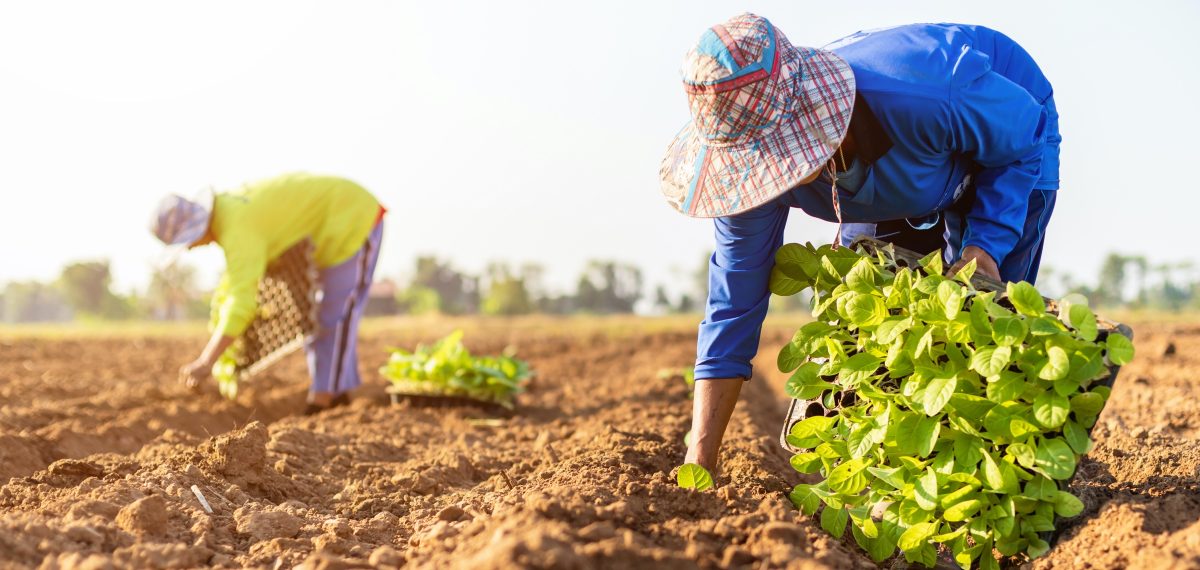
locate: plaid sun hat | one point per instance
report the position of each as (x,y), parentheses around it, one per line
(179,222)
(765,115)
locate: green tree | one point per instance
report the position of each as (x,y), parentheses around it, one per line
(1171,294)
(1111,286)
(419,300)
(456,292)
(1142,266)
(609,287)
(87,288)
(31,301)
(686,304)
(173,292)
(506,292)
(662,302)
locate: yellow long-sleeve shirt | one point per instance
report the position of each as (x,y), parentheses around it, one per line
(257,223)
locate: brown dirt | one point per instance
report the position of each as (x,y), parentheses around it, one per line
(103,451)
(1142,481)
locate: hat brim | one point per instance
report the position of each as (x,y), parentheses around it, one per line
(188,238)
(199,228)
(706,180)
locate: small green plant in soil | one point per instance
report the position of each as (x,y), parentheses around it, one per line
(687,374)
(447,368)
(693,476)
(955,415)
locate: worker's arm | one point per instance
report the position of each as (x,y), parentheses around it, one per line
(245,264)
(1002,128)
(738,293)
(235,304)
(196,372)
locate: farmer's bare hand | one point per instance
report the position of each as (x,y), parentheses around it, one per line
(195,373)
(984,264)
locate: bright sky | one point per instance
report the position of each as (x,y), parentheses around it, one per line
(526,131)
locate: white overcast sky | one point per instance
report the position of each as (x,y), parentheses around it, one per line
(526,131)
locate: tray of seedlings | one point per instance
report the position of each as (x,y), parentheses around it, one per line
(446,374)
(943,417)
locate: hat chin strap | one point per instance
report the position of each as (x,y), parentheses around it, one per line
(833,188)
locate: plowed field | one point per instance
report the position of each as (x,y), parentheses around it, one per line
(100,449)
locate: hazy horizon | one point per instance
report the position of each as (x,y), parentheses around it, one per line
(514,131)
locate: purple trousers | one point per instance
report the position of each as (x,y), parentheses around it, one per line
(333,350)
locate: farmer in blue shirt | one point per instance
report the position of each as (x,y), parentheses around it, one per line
(928,136)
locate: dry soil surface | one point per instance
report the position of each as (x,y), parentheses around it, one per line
(101,451)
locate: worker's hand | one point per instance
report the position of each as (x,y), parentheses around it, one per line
(194,374)
(984,264)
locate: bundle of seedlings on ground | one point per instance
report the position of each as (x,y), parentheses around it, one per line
(954,416)
(447,369)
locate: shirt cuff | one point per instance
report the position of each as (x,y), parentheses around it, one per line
(722,368)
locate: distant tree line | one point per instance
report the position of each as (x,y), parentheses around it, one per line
(84,290)
(1132,281)
(436,286)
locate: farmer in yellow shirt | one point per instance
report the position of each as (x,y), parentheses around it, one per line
(259,222)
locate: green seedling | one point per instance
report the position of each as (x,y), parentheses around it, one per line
(693,476)
(970,409)
(688,374)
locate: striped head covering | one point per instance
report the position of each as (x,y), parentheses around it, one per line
(765,115)
(179,221)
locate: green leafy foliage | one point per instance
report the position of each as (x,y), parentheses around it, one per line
(693,476)
(225,373)
(971,408)
(446,368)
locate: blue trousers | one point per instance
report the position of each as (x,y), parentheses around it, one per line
(333,350)
(945,231)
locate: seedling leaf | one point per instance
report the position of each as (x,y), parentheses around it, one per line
(805,498)
(1120,350)
(1051,409)
(834,521)
(693,476)
(1055,458)
(1026,299)
(1067,505)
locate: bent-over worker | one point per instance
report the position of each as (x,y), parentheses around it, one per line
(926,135)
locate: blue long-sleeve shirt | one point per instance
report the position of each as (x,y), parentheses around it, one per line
(938,102)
